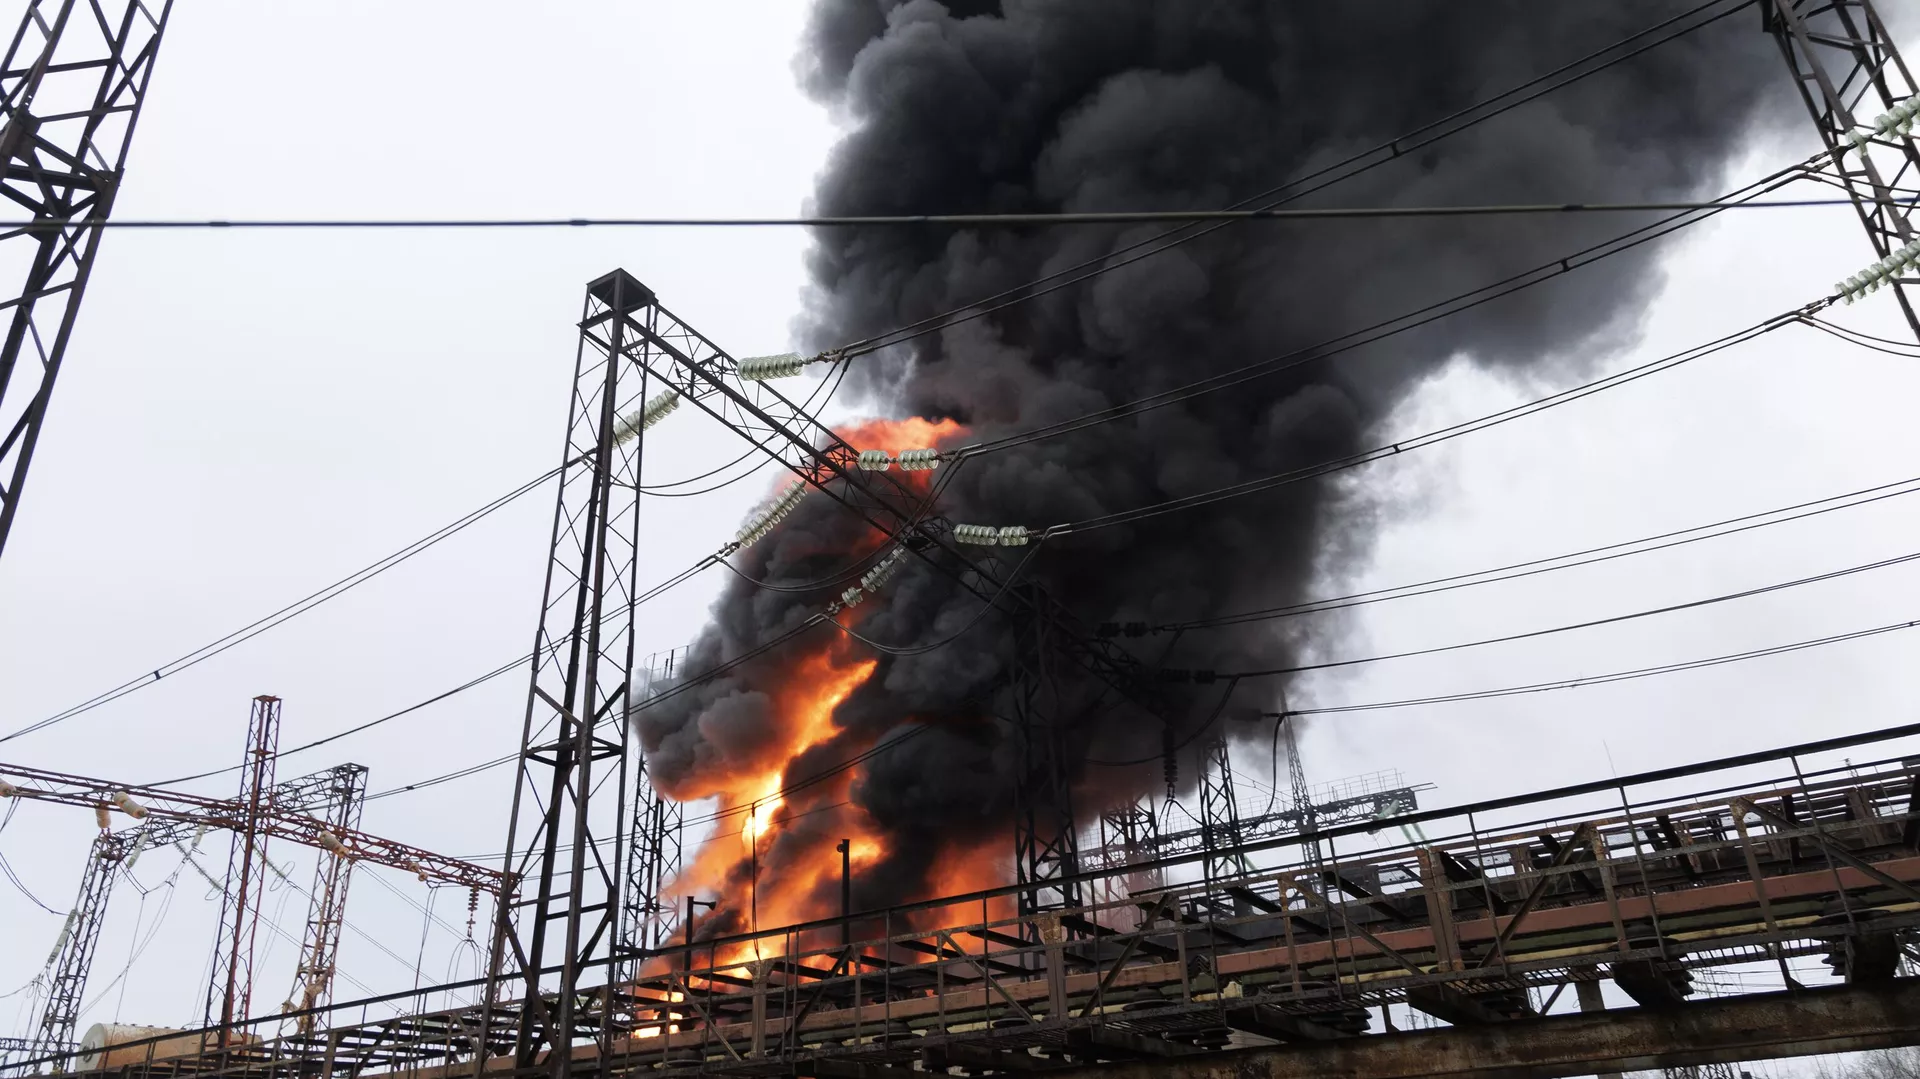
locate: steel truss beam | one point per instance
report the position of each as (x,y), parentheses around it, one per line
(71,88)
(1849,74)
(197,810)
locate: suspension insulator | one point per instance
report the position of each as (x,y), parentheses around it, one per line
(762,368)
(851,597)
(1895,121)
(1013,536)
(979,535)
(1870,279)
(101,818)
(8,790)
(919,460)
(874,461)
(128,806)
(774,512)
(881,573)
(331,842)
(642,418)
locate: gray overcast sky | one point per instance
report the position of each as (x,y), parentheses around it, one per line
(247,416)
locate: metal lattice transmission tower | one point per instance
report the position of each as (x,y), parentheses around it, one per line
(1133,832)
(72,954)
(71,88)
(625,322)
(564,846)
(341,794)
(1046,851)
(230,993)
(111,853)
(1850,75)
(656,853)
(1220,815)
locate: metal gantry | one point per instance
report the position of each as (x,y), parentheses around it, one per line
(1850,74)
(113,853)
(71,89)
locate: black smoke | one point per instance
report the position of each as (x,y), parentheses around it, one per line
(1062,105)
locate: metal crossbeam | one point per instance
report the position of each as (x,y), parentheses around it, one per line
(71,88)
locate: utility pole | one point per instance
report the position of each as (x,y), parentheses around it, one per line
(1853,80)
(71,89)
(845,847)
(231,993)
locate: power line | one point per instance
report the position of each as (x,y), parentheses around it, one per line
(956,220)
(1616,676)
(1587,557)
(290,611)
(1588,624)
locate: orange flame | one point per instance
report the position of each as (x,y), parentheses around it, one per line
(761,869)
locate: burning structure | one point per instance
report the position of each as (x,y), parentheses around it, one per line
(917,751)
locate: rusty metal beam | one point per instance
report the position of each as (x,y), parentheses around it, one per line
(1837,1020)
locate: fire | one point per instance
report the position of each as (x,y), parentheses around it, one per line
(780,863)
(912,433)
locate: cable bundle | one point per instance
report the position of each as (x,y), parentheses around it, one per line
(642,418)
(1895,121)
(1871,278)
(762,523)
(761,368)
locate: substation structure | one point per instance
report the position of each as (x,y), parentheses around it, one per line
(1283,971)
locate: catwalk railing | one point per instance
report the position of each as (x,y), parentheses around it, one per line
(1644,880)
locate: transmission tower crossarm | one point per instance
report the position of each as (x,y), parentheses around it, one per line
(92,793)
(63,165)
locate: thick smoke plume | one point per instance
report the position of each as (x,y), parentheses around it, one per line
(1043,105)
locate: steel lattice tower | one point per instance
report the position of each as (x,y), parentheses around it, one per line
(1849,74)
(1219,814)
(655,852)
(71,89)
(231,990)
(564,856)
(341,795)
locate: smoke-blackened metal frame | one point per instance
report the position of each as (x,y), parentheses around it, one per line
(71,88)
